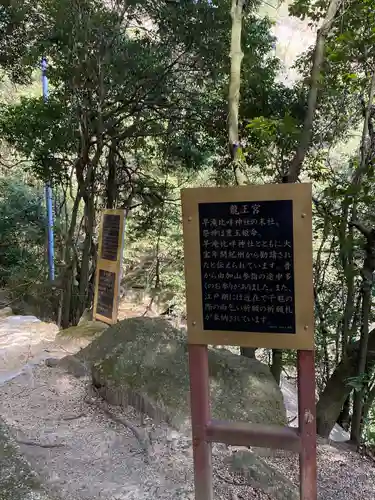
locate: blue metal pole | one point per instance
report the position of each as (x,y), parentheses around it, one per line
(48,192)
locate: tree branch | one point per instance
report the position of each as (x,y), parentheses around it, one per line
(299,157)
(363,229)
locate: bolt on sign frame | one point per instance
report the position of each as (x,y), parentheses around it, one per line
(109,266)
(233,237)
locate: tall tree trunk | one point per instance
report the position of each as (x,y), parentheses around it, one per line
(324,336)
(337,390)
(304,143)
(86,256)
(366,161)
(296,164)
(333,398)
(236,56)
(358,400)
(70,266)
(67,297)
(367,276)
(346,253)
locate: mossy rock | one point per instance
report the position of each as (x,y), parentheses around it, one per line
(260,475)
(144,362)
(17,481)
(83,329)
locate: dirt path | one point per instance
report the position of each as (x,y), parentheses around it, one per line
(83,454)
(79,452)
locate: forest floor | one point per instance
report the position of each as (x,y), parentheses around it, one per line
(83,452)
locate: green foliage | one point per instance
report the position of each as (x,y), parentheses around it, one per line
(16,25)
(269,138)
(358,383)
(22,231)
(174,77)
(43,133)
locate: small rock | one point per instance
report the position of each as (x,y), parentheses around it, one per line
(172,436)
(6,312)
(260,475)
(51,362)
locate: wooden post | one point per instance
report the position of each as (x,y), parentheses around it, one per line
(307,424)
(200,416)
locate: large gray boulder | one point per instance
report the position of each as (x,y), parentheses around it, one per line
(144,362)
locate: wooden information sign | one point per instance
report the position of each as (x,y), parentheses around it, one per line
(109,267)
(106,293)
(248,266)
(248,269)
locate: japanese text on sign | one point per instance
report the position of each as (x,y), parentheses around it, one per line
(110,237)
(106,293)
(247,266)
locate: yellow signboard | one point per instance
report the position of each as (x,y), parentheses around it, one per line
(109,266)
(248,265)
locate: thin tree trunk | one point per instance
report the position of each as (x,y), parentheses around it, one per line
(296,164)
(344,417)
(248,352)
(366,160)
(69,266)
(86,257)
(346,251)
(325,334)
(111,188)
(356,429)
(356,317)
(367,276)
(67,298)
(236,56)
(277,364)
(332,399)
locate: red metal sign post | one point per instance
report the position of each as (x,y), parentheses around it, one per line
(307,424)
(200,418)
(206,431)
(224,232)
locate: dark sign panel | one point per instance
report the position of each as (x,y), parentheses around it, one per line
(247,272)
(106,293)
(110,236)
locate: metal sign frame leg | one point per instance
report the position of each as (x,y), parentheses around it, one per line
(307,424)
(200,417)
(201,423)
